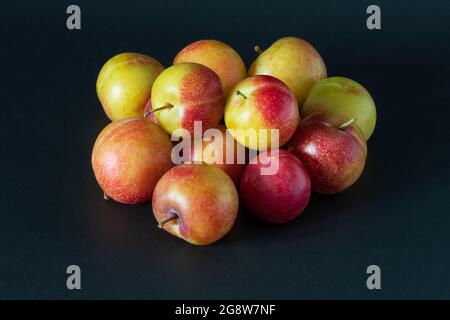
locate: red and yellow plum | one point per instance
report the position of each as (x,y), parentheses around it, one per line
(129,157)
(333,150)
(196,202)
(185,93)
(261,102)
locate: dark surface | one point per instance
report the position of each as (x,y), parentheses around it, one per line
(53,214)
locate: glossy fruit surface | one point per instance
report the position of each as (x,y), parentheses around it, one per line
(295,62)
(261,103)
(196,202)
(279,197)
(334,157)
(129,157)
(124,84)
(185,93)
(219,57)
(345,98)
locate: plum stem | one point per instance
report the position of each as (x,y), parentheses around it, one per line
(258,49)
(166,106)
(105,196)
(238,93)
(162,223)
(346,123)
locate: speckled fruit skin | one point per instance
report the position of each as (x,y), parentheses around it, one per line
(129,157)
(295,62)
(334,157)
(203,198)
(218,56)
(194,91)
(277,198)
(269,104)
(204,151)
(339,96)
(124,84)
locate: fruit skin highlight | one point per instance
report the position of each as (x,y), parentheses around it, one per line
(204,151)
(333,150)
(280,197)
(124,84)
(196,202)
(343,97)
(295,62)
(218,56)
(187,92)
(261,102)
(129,157)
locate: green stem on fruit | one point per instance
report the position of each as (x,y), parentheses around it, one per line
(238,93)
(161,224)
(105,196)
(258,49)
(346,124)
(166,106)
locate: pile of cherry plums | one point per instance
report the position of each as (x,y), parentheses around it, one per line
(186,138)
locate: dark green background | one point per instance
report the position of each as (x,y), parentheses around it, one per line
(52,212)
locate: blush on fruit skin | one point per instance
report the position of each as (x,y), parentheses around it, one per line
(203,199)
(219,57)
(193,92)
(200,86)
(277,198)
(275,103)
(201,93)
(147,111)
(129,157)
(334,158)
(201,151)
(295,62)
(262,102)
